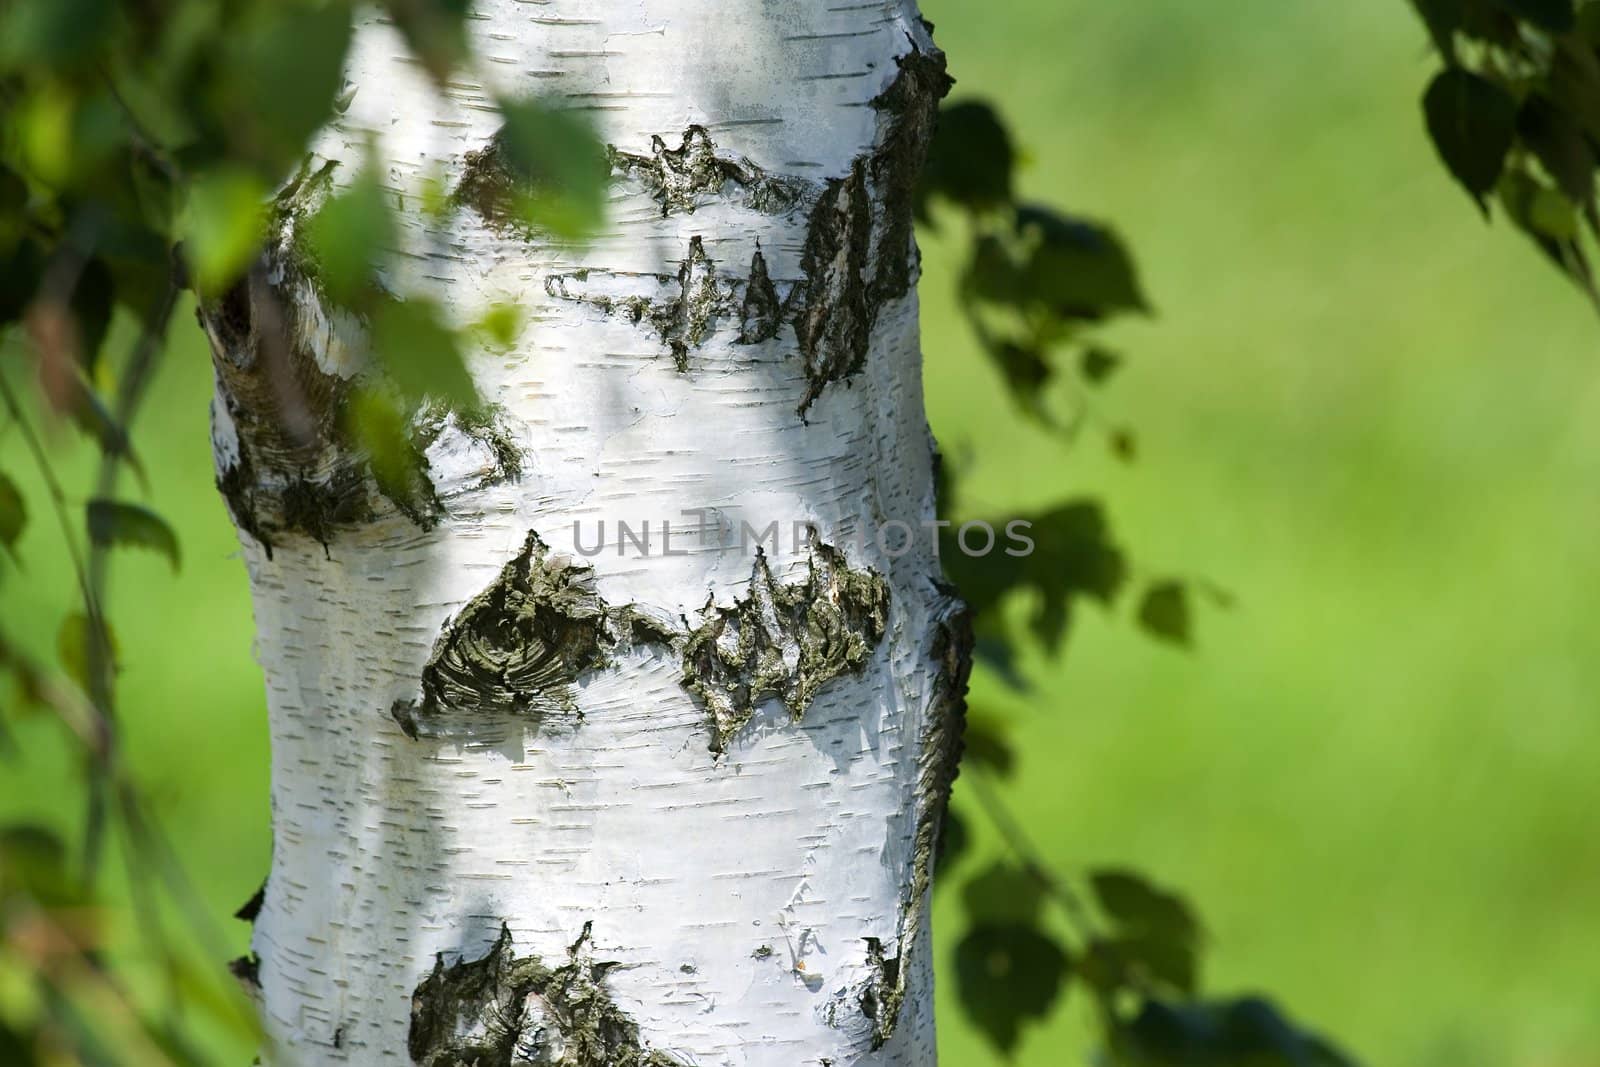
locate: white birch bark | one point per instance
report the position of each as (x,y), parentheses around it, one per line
(697,889)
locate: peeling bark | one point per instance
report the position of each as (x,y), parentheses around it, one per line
(505,1011)
(785,641)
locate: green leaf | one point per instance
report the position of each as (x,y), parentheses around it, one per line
(113,523)
(92,301)
(1008,976)
(954,842)
(35,862)
(1443,18)
(73,644)
(1136,906)
(435,30)
(420,354)
(1073,558)
(545,171)
(1157,936)
(224,224)
(1248,1032)
(13,513)
(1472,122)
(1005,893)
(20,270)
(971,159)
(51,33)
(384,433)
(286,71)
(1165,613)
(349,234)
(502,324)
(986,744)
(1078,268)
(1098,364)
(1557,16)
(1557,139)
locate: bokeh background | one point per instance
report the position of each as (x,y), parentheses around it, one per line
(1371,418)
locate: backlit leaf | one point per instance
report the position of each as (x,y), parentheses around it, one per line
(224,223)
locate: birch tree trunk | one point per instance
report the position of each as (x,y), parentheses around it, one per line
(535,804)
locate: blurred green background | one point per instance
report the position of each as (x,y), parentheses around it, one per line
(1371,418)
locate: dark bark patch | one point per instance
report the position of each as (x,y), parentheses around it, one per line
(785,641)
(490,187)
(867,219)
(508,1011)
(247,969)
(940,761)
(681,178)
(521,645)
(683,309)
(762,315)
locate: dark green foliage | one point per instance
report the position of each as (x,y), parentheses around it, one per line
(1074,558)
(1248,1032)
(13,512)
(1516,114)
(1165,611)
(971,160)
(1009,975)
(1473,122)
(1557,16)
(420,354)
(112,522)
(284,73)
(347,234)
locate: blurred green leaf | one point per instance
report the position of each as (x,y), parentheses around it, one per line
(1472,122)
(225,223)
(34,863)
(113,523)
(384,433)
(971,159)
(1004,893)
(92,301)
(1137,906)
(986,744)
(1073,558)
(1558,141)
(51,33)
(13,512)
(1099,364)
(1443,18)
(1007,976)
(1248,1032)
(420,354)
(349,234)
(1078,268)
(90,415)
(545,171)
(73,643)
(954,842)
(502,324)
(20,269)
(286,71)
(435,30)
(1557,16)
(1165,612)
